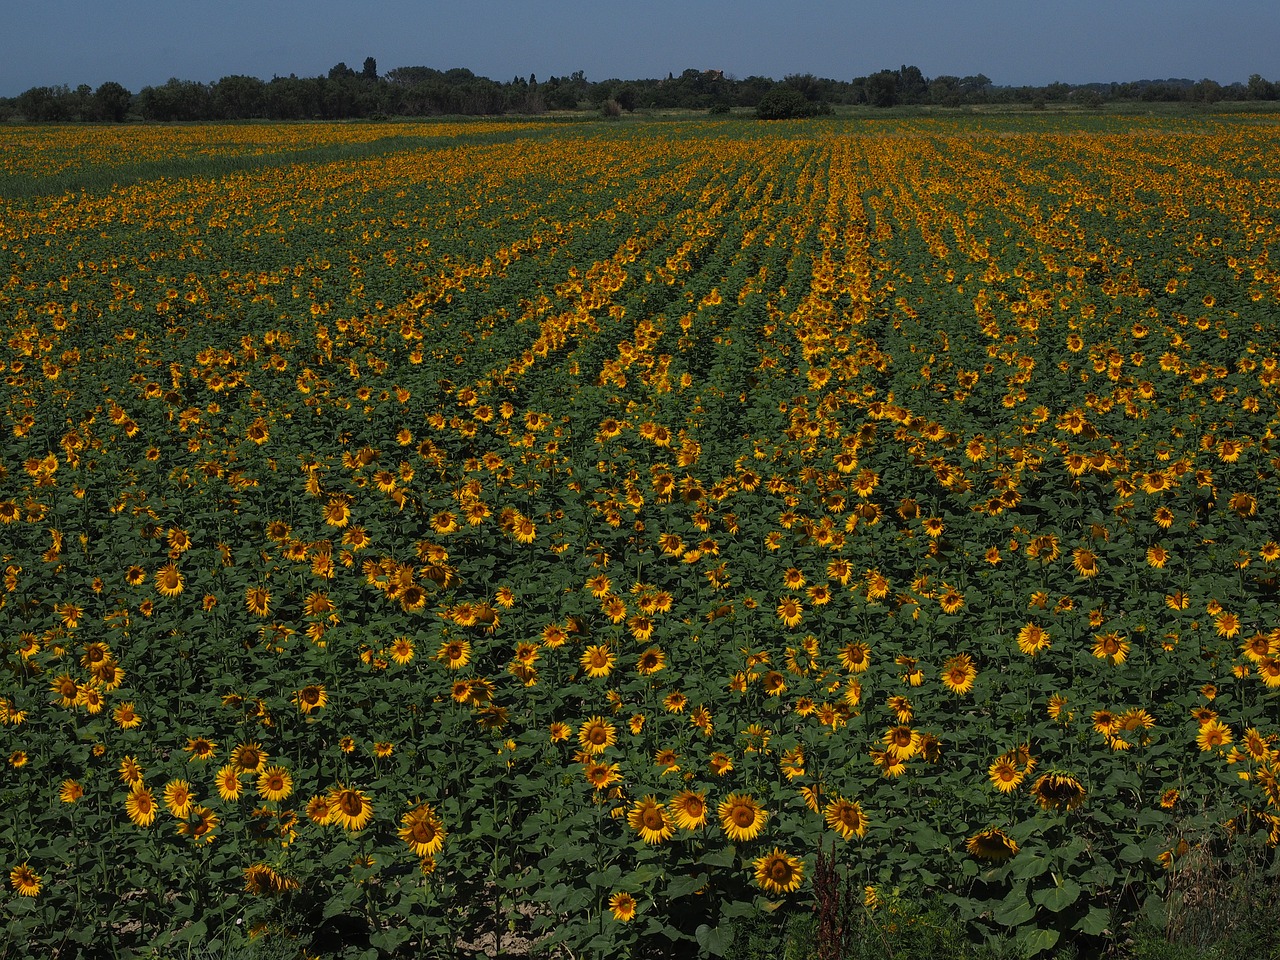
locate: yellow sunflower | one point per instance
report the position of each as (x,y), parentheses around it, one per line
(623,907)
(140,805)
(350,808)
(24,880)
(741,817)
(650,820)
(846,818)
(422,829)
(275,784)
(596,734)
(689,808)
(778,872)
(178,798)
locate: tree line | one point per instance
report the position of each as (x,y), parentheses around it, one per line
(345,93)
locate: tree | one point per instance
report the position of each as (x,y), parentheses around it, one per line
(239,97)
(370,71)
(111,102)
(882,88)
(785,102)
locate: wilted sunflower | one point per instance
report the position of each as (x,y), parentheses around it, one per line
(648,818)
(741,817)
(846,818)
(349,808)
(991,844)
(778,872)
(422,829)
(1058,791)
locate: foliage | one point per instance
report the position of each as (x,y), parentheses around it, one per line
(785,102)
(566,532)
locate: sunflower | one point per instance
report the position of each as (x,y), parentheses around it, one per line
(126,716)
(651,661)
(650,820)
(741,817)
(402,650)
(248,757)
(1111,647)
(597,660)
(596,734)
(311,697)
(855,657)
(258,601)
(1157,556)
(623,907)
(318,810)
(422,829)
(228,781)
(140,805)
(959,673)
(689,809)
(778,872)
(178,798)
(790,612)
(846,818)
(901,742)
(275,784)
(1085,562)
(991,844)
(25,880)
(600,775)
(1033,639)
(350,808)
(200,830)
(1213,734)
(1005,775)
(71,791)
(169,580)
(130,771)
(1058,791)
(454,654)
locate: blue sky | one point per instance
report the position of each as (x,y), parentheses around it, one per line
(143,42)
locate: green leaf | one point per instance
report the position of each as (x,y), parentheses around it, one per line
(1058,898)
(715,940)
(1037,941)
(1015,909)
(1095,922)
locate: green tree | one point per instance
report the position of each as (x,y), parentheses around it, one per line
(785,102)
(111,102)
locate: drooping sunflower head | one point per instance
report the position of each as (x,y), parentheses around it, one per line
(991,844)
(1058,791)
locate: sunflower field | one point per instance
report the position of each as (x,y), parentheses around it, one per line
(413,531)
